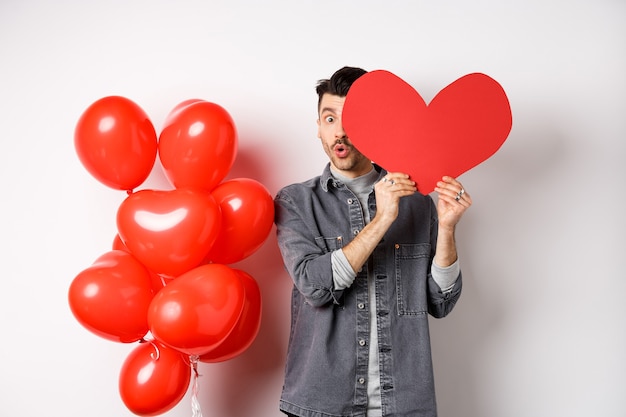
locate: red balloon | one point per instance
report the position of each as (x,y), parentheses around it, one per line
(118,244)
(247,218)
(111,297)
(157,280)
(153,379)
(198,145)
(116,142)
(247,326)
(174,112)
(170,232)
(195,312)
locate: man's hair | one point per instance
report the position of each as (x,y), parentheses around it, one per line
(339,83)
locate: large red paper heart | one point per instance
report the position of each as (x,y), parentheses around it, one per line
(170,232)
(389,122)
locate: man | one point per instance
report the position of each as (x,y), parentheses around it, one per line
(370,257)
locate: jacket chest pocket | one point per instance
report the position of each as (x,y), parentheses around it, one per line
(329,244)
(412,265)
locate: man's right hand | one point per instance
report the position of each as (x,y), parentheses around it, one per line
(389,190)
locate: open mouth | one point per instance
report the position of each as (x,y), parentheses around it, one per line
(341,150)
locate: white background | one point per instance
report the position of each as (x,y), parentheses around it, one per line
(539,330)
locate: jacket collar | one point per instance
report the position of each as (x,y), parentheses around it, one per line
(327,177)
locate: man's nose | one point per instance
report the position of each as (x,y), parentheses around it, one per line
(339,132)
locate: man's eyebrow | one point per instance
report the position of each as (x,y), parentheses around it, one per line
(327,109)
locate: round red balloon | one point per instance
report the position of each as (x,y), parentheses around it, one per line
(247,217)
(247,326)
(116,142)
(196,311)
(112,296)
(198,145)
(174,112)
(170,232)
(153,379)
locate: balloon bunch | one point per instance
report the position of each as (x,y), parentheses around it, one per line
(166,283)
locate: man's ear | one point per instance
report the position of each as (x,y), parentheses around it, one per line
(319,135)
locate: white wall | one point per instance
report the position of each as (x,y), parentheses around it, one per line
(540,328)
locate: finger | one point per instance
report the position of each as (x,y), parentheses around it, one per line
(451,186)
(446,190)
(452,183)
(454,196)
(462,195)
(450,180)
(398,180)
(466,199)
(460,199)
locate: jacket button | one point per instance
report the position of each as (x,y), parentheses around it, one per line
(362,342)
(361,380)
(361,306)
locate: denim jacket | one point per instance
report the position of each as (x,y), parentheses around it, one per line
(326,369)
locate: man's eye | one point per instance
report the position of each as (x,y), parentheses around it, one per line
(330,119)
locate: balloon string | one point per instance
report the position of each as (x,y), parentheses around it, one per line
(157,353)
(196,411)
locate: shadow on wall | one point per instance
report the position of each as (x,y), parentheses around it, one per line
(509,194)
(250,383)
(255,162)
(244,385)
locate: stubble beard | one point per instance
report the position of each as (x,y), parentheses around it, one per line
(346,164)
(352,162)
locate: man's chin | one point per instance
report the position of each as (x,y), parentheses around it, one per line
(344,164)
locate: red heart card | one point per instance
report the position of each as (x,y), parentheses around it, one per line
(389,122)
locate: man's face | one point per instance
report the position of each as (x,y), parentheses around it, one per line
(344,157)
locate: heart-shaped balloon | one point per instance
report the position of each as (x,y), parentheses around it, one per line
(247,217)
(247,327)
(390,123)
(198,310)
(112,296)
(170,232)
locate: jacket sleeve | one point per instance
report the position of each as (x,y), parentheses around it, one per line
(440,304)
(305,253)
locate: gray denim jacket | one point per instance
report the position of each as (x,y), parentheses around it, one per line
(326,370)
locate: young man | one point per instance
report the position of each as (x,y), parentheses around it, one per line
(370,257)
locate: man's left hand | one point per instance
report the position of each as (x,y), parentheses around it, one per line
(452,203)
